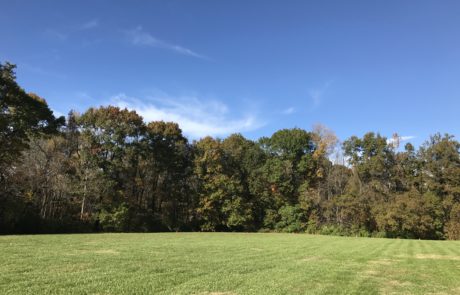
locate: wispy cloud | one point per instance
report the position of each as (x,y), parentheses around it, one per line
(406,138)
(196,117)
(40,71)
(56,34)
(139,37)
(65,32)
(94,23)
(317,94)
(288,111)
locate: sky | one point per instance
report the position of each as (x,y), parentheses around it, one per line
(253,67)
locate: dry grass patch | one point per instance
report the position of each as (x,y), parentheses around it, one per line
(384,261)
(218,293)
(312,258)
(437,257)
(395,287)
(101,251)
(371,272)
(107,251)
(398,283)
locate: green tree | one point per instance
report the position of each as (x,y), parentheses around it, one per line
(110,143)
(373,161)
(21,115)
(412,215)
(222,204)
(165,175)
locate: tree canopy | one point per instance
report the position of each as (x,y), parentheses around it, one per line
(108,170)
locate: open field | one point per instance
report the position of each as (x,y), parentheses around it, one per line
(225,263)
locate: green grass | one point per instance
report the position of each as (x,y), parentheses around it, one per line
(225,263)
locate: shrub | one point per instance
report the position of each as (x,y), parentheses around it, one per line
(292,219)
(115,220)
(452,228)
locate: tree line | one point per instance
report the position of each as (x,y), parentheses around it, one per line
(107,170)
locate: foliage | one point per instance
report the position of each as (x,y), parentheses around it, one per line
(292,219)
(116,220)
(108,170)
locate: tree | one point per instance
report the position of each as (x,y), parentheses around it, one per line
(222,204)
(412,215)
(21,115)
(106,170)
(248,158)
(110,139)
(290,173)
(372,159)
(165,175)
(441,169)
(452,228)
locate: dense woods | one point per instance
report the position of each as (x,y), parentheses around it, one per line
(108,170)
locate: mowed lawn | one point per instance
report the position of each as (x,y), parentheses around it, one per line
(225,263)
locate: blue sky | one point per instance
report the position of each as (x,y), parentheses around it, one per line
(254,67)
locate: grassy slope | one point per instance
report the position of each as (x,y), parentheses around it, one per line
(219,263)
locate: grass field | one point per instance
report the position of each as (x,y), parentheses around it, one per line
(225,263)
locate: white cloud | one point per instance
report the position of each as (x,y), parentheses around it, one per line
(392,140)
(317,94)
(288,111)
(91,24)
(197,118)
(40,71)
(140,37)
(55,34)
(65,32)
(406,138)
(57,114)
